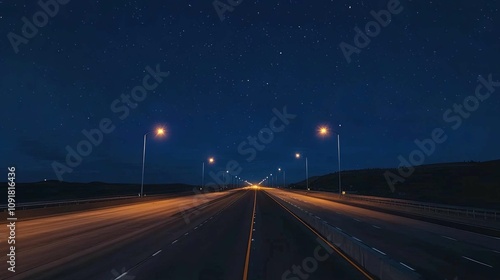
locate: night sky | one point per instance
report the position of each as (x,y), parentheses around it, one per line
(226,77)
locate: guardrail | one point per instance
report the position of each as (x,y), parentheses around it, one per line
(381,266)
(55,203)
(433,208)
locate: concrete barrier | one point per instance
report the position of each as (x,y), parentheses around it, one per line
(375,263)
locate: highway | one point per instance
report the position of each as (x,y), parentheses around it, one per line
(285,248)
(248,233)
(434,251)
(239,234)
(235,246)
(96,244)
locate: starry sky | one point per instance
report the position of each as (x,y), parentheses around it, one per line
(226,77)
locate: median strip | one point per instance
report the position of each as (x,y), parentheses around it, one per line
(250,239)
(344,256)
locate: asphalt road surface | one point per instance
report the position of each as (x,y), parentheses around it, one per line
(242,234)
(101,243)
(434,251)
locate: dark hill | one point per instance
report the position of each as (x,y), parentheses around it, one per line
(474,184)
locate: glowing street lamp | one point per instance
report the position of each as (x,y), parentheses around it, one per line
(279,170)
(324,131)
(159,132)
(297,155)
(210,161)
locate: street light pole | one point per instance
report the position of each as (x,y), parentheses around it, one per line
(159,131)
(210,161)
(143,159)
(324,131)
(338,150)
(307,175)
(297,155)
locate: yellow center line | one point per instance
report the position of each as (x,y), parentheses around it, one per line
(247,259)
(326,241)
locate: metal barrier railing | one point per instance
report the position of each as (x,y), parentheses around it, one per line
(450,210)
(54,203)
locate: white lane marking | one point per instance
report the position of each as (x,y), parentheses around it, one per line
(123,274)
(196,228)
(379,251)
(356,220)
(476,261)
(496,251)
(175,241)
(186,233)
(448,237)
(376,226)
(317,217)
(357,239)
(338,228)
(407,266)
(156,253)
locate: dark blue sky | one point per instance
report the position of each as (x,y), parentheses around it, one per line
(225,78)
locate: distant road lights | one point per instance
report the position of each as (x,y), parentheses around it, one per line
(160,131)
(297,155)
